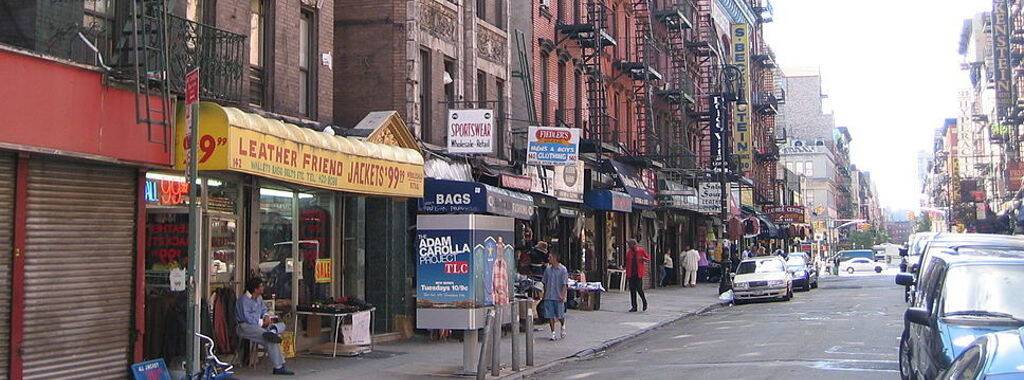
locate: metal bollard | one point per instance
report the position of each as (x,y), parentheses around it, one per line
(496,343)
(516,325)
(529,334)
(481,366)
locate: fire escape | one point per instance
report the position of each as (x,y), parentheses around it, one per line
(154,51)
(766,106)
(591,33)
(641,69)
(708,49)
(678,89)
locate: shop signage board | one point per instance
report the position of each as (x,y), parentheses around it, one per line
(785,214)
(517,182)
(552,146)
(609,200)
(224,147)
(1014,174)
(324,271)
(459,197)
(562,182)
(677,195)
(709,197)
(1002,75)
(155,369)
(742,142)
(471,131)
(636,184)
(458,259)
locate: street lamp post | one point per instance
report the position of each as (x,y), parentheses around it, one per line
(729,92)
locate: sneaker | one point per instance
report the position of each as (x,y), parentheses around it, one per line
(283,371)
(563,332)
(554,336)
(632,310)
(271,337)
(645,307)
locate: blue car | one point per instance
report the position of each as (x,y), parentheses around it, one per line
(996,356)
(962,293)
(805,275)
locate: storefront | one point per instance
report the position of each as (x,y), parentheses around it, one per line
(558,194)
(643,224)
(317,216)
(678,211)
(611,210)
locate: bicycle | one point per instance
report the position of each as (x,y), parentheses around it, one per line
(212,368)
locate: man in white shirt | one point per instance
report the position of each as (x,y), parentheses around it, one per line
(690,263)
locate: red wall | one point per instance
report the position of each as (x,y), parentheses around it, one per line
(52,105)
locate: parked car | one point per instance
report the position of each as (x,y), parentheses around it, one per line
(805,275)
(997,356)
(762,278)
(945,241)
(860,264)
(963,293)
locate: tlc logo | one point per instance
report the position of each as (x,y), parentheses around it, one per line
(456,267)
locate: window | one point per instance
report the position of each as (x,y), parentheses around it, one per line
(481,89)
(98,25)
(800,167)
(307,77)
(425,99)
(789,165)
(545,87)
(809,169)
(560,11)
(481,9)
(562,74)
(578,98)
(499,14)
(257,30)
(449,95)
(499,115)
(809,198)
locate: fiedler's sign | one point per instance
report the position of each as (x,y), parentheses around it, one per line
(553,146)
(471,131)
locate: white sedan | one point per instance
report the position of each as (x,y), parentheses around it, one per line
(860,264)
(762,278)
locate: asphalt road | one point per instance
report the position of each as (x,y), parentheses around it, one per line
(845,329)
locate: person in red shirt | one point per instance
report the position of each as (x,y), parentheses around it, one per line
(637,260)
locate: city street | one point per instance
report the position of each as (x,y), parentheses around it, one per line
(845,329)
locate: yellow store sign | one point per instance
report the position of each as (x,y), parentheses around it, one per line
(742,142)
(237,141)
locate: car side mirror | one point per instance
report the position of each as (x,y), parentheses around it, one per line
(904,252)
(918,316)
(913,268)
(732,276)
(905,279)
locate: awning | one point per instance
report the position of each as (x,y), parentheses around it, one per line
(459,197)
(672,194)
(608,200)
(634,186)
(233,140)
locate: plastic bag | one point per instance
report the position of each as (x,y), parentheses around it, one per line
(726,297)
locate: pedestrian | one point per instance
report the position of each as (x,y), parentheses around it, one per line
(556,291)
(746,254)
(690,262)
(538,258)
(637,260)
(667,269)
(702,267)
(257,325)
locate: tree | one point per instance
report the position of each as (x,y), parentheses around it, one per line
(924,223)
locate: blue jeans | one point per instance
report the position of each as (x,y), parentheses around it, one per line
(255,334)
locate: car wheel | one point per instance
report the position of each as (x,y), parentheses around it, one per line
(878,269)
(849,270)
(815,285)
(737,301)
(789,294)
(906,371)
(807,285)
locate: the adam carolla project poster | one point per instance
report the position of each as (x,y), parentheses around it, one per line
(460,258)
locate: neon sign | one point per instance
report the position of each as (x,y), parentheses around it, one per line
(166,192)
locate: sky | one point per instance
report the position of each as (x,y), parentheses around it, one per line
(891,71)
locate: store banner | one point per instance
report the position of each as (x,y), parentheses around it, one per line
(517,182)
(1014,175)
(608,200)
(373,169)
(552,146)
(471,131)
(785,214)
(458,197)
(742,141)
(676,195)
(324,271)
(709,197)
(1002,74)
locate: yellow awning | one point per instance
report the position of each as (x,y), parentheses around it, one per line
(235,140)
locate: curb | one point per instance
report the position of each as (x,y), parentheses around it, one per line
(608,344)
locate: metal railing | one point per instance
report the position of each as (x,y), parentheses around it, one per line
(219,55)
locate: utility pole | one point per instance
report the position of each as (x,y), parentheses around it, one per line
(730,85)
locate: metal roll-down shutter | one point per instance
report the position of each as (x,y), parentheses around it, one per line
(7,177)
(79,253)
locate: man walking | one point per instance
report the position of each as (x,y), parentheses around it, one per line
(667,270)
(690,261)
(255,324)
(637,260)
(556,290)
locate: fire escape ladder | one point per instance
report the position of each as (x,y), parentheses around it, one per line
(707,79)
(142,57)
(592,45)
(646,141)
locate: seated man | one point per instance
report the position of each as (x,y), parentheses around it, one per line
(254,324)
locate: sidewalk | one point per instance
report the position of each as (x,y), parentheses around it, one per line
(588,332)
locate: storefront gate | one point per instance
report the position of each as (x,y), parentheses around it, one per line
(79,253)
(7,177)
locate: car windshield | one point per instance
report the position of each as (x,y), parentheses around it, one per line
(984,290)
(763,266)
(796,263)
